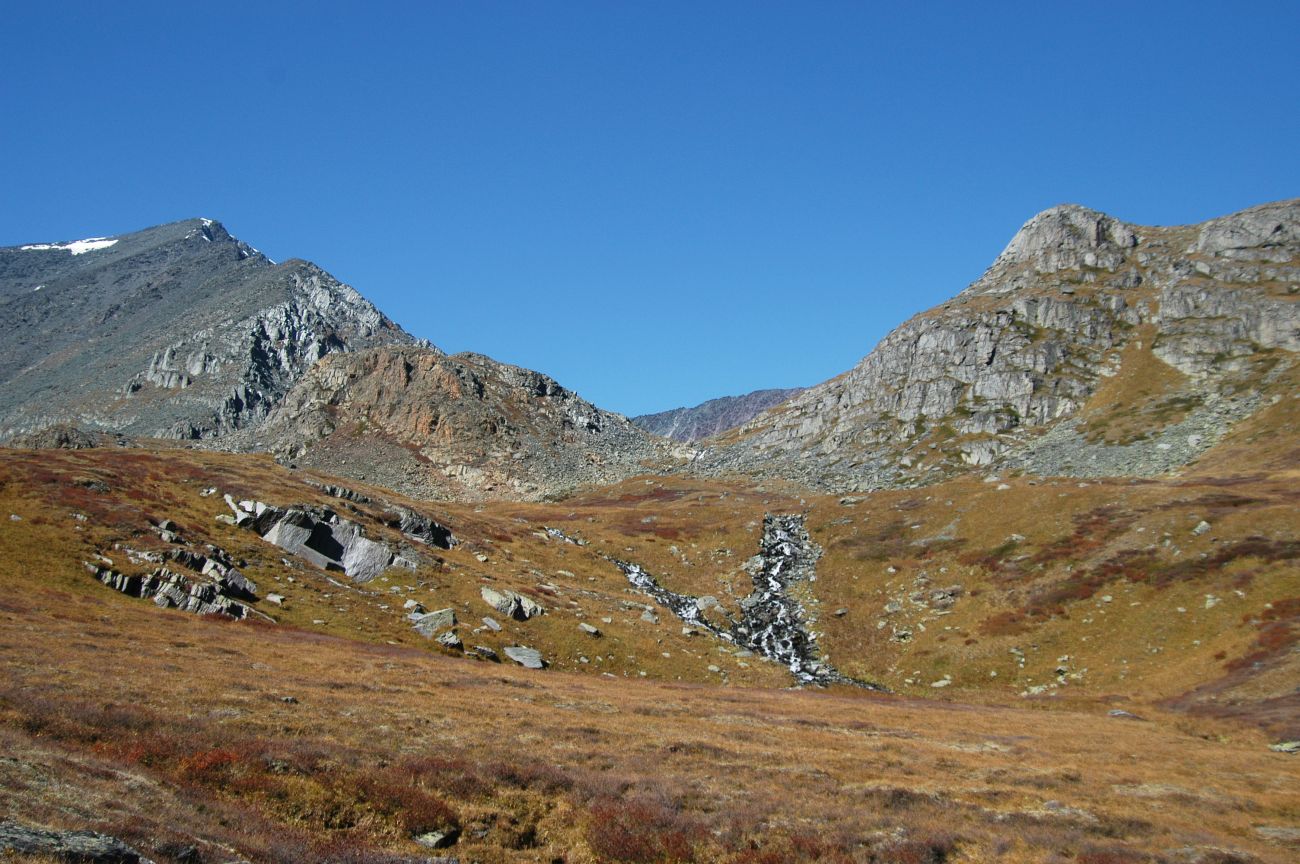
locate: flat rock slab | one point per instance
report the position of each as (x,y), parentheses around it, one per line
(80,846)
(529,658)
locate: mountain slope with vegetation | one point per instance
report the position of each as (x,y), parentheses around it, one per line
(424,607)
(1091,347)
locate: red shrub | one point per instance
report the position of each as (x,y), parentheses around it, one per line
(640,832)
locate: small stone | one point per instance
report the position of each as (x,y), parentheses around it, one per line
(438,839)
(714,668)
(1201,528)
(1285,747)
(485,653)
(449,639)
(841,612)
(491,624)
(589,629)
(277,599)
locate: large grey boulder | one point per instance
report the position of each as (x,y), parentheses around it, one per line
(421,528)
(512,604)
(89,847)
(323,538)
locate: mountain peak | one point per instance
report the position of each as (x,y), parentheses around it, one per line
(1068,230)
(179,330)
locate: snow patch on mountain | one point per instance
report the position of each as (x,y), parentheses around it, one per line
(76,247)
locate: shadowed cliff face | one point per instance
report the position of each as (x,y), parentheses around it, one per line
(178,331)
(460,426)
(1083,321)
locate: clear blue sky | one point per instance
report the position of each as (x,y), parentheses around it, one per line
(656,203)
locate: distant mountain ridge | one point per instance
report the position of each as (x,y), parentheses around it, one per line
(714,416)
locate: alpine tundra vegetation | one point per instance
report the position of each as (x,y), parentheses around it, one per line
(284,583)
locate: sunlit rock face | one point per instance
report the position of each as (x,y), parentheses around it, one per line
(178,331)
(1077,298)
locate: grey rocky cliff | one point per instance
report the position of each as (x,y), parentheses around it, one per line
(178,331)
(714,416)
(1028,344)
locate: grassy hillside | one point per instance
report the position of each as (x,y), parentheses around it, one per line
(339,733)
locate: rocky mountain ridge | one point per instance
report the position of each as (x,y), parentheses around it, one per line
(462,426)
(178,331)
(714,416)
(1104,332)
(1090,347)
